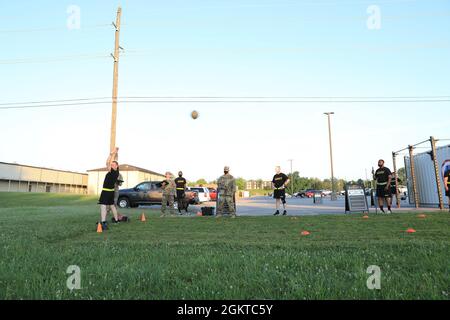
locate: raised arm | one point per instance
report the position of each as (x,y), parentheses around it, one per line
(113,156)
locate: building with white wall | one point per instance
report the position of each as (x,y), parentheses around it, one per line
(131,175)
(23,178)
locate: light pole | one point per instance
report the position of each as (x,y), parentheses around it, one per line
(292,179)
(333,186)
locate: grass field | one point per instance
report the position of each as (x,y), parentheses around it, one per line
(204,258)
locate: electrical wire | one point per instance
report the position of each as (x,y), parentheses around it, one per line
(36,105)
(54,59)
(60,28)
(126,98)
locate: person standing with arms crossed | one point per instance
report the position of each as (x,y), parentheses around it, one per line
(180,183)
(226,189)
(106,200)
(279,183)
(168,194)
(383,177)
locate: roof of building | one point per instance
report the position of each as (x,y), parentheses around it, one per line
(27,166)
(127,167)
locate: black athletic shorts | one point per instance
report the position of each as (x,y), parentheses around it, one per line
(106,198)
(447,193)
(382,193)
(393,191)
(279,194)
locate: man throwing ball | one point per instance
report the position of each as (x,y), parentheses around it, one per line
(106,200)
(279,183)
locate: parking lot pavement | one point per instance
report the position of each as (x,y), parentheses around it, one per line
(265,206)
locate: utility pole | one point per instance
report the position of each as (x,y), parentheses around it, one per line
(397,192)
(413,176)
(115,79)
(292,179)
(436,171)
(333,186)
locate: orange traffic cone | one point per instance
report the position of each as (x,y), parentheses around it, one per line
(422,216)
(411,230)
(365,217)
(143,219)
(305,233)
(99,227)
(199,214)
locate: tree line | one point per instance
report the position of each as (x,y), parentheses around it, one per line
(299,183)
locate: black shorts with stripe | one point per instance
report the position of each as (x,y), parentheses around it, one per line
(383,193)
(279,194)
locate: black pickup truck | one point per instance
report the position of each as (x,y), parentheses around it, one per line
(148,193)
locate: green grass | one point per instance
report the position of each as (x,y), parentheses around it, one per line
(204,258)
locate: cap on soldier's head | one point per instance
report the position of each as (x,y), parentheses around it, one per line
(180,173)
(226,168)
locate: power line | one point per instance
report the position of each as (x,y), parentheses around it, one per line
(298,50)
(124,98)
(54,59)
(59,28)
(223,102)
(144,52)
(285,97)
(51,101)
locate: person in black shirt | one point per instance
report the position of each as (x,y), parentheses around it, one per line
(180,183)
(106,200)
(383,177)
(279,183)
(447,186)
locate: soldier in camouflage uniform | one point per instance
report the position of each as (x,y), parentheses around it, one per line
(168,195)
(226,188)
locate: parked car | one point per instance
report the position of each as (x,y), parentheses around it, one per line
(148,193)
(203,193)
(311,192)
(300,194)
(213,194)
(308,193)
(326,193)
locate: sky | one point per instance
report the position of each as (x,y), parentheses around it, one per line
(231,48)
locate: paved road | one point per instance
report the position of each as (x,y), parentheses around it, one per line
(265,206)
